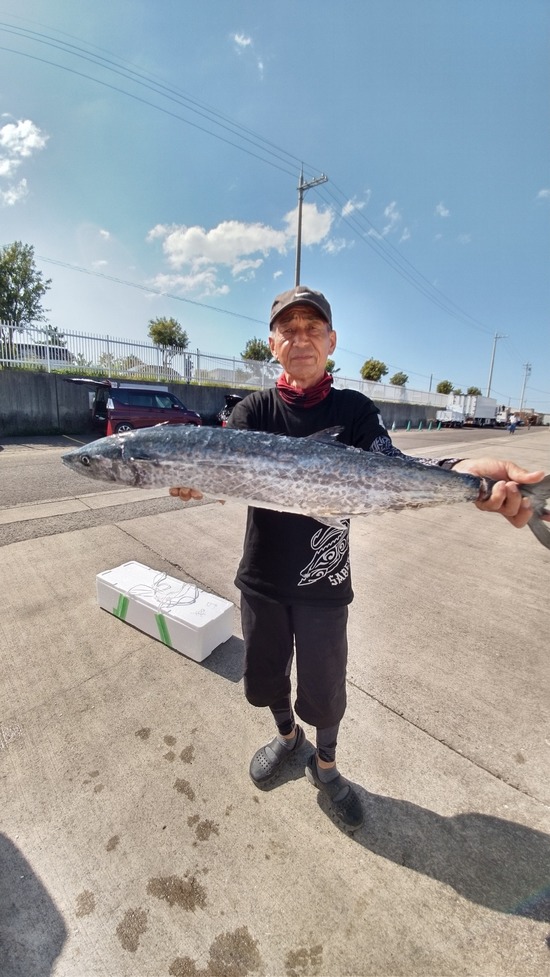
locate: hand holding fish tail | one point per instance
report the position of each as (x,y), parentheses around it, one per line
(506,495)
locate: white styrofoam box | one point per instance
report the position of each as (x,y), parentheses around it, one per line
(177,613)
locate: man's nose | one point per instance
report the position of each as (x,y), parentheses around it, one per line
(301,334)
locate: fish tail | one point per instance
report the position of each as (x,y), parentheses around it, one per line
(538,494)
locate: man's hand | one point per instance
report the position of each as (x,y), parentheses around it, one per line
(506,497)
(185,493)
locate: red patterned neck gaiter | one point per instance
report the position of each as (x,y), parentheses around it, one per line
(297,397)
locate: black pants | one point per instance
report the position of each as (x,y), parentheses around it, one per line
(272,632)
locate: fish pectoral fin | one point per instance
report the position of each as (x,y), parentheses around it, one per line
(336,522)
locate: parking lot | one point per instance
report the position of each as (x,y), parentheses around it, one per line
(132,841)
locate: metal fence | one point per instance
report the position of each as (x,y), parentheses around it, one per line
(92,355)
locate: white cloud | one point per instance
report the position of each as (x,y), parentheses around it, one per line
(246,265)
(405,235)
(355,204)
(393,217)
(543,195)
(335,245)
(105,235)
(242,41)
(464,238)
(14,194)
(203,282)
(441,210)
(18,141)
(22,138)
(101,263)
(277,274)
(225,244)
(200,258)
(8,167)
(316,224)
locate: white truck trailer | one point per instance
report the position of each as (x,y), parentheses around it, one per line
(468,409)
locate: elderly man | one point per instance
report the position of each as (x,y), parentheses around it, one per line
(294,575)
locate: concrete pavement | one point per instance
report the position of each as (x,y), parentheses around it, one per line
(132,842)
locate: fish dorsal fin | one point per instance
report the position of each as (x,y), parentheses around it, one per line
(328,436)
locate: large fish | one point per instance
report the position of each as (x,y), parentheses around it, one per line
(315,476)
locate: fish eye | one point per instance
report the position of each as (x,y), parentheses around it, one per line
(85,460)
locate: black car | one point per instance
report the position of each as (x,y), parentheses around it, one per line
(223,415)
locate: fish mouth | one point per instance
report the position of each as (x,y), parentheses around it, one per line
(70,458)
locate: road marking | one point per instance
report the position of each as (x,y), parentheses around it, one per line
(83,503)
(76,440)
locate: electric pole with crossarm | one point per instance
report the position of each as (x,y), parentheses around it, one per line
(302,187)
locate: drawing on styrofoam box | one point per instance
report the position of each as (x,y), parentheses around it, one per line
(178,613)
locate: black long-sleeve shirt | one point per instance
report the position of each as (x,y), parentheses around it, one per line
(293,558)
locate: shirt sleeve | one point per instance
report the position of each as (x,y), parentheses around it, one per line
(385,446)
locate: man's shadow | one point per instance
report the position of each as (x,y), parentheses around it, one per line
(491,861)
(496,863)
(32,931)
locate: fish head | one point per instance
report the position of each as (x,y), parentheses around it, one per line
(103,460)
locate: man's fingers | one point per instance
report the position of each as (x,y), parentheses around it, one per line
(184,493)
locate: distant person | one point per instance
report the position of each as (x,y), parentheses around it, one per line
(294,575)
(512,423)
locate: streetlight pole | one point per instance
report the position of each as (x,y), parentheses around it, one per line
(527,368)
(301,188)
(493,362)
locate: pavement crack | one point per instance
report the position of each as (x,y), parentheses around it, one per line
(447,745)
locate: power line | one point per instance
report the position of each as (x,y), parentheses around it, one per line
(272,154)
(148,288)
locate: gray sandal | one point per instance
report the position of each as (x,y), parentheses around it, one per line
(344,804)
(267,762)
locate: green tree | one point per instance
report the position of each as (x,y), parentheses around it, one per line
(81,363)
(399,379)
(330,367)
(22,288)
(169,336)
(457,391)
(444,387)
(54,336)
(373,370)
(257,349)
(474,392)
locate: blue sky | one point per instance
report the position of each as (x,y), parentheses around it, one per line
(160,144)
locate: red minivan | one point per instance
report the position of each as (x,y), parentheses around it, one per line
(119,406)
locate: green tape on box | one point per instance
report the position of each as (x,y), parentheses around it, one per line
(121,609)
(163,629)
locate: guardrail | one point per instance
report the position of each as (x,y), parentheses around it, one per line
(95,355)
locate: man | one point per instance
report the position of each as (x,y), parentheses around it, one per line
(294,575)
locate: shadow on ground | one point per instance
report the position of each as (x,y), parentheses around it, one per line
(32,931)
(499,864)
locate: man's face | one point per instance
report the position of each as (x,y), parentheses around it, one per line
(302,341)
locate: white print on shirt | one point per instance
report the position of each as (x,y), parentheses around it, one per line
(329,545)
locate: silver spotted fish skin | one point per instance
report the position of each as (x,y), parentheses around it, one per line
(315,476)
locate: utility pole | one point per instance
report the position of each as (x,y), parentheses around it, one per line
(527,374)
(301,188)
(493,362)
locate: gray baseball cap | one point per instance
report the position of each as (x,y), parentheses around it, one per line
(296,296)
